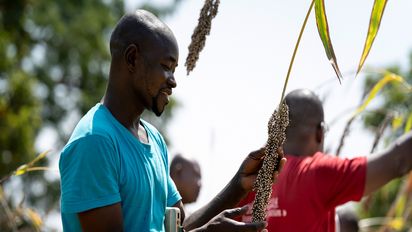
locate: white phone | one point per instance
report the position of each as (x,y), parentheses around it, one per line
(173,220)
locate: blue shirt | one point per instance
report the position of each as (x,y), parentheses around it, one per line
(103,164)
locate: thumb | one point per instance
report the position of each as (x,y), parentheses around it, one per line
(231,213)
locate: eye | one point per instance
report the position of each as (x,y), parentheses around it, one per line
(166,67)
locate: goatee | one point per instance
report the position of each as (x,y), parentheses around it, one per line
(155,106)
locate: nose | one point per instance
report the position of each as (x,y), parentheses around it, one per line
(171,81)
(199,184)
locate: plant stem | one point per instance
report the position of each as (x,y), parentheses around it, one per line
(296,49)
(38,169)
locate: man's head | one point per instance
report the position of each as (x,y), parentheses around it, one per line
(144,56)
(347,220)
(305,133)
(187,177)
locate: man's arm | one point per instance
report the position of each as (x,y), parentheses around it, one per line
(230,196)
(394,162)
(107,218)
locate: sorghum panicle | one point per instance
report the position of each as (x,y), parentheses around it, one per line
(263,185)
(202,29)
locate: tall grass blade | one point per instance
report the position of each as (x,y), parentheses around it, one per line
(408,125)
(302,29)
(374,23)
(397,122)
(323,29)
(389,77)
(29,166)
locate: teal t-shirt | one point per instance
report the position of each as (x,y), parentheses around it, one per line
(103,164)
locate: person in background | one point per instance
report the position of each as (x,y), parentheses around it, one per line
(346,220)
(313,183)
(186,174)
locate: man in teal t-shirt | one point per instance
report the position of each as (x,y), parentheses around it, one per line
(114,169)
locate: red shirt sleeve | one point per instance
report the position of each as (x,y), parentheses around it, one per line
(339,180)
(248,200)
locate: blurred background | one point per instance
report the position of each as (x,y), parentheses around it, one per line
(54,63)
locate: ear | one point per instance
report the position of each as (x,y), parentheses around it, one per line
(319,135)
(131,55)
(177,170)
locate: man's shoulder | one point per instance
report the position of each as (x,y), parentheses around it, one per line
(311,164)
(150,127)
(153,132)
(96,122)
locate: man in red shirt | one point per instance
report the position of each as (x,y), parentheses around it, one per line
(311,183)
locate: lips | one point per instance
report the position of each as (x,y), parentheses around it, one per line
(168,92)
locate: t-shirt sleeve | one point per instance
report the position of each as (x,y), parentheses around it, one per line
(89,169)
(340,180)
(173,195)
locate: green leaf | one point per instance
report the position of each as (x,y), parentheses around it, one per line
(323,29)
(408,125)
(397,122)
(28,167)
(400,208)
(374,23)
(39,157)
(21,170)
(397,223)
(389,77)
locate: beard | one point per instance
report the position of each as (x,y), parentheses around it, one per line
(156,106)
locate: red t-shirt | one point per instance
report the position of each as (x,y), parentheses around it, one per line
(307,191)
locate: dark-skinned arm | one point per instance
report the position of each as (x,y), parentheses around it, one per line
(108,218)
(394,162)
(219,208)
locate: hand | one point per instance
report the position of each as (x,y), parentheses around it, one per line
(224,222)
(250,167)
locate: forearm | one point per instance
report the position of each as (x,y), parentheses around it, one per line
(227,198)
(394,162)
(402,149)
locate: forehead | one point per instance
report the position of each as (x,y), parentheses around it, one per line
(164,46)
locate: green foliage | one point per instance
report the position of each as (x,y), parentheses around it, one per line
(378,204)
(395,100)
(19,121)
(374,24)
(54,65)
(54,61)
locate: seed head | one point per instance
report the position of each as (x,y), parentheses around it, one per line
(263,185)
(202,29)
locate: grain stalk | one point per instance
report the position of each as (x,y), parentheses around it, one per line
(208,12)
(276,137)
(345,134)
(380,131)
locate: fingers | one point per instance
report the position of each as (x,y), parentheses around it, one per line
(231,213)
(282,163)
(276,173)
(242,226)
(280,152)
(253,226)
(257,155)
(252,162)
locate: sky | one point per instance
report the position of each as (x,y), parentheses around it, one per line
(228,99)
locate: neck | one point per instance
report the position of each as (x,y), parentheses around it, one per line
(301,149)
(122,105)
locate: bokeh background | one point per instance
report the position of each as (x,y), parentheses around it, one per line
(54,65)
